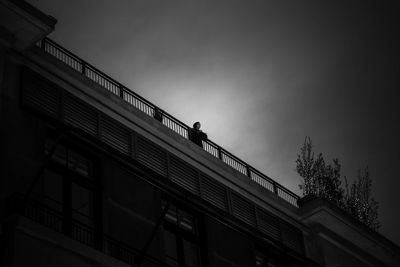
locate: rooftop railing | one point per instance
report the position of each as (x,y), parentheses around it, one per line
(165,118)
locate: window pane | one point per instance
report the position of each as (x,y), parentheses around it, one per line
(82,204)
(69,158)
(49,193)
(260,260)
(186,221)
(52,189)
(191,252)
(79,164)
(170,248)
(60,153)
(171,214)
(273,263)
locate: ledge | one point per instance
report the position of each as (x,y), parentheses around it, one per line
(332,224)
(22,25)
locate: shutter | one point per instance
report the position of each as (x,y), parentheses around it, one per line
(184,175)
(214,192)
(243,209)
(115,134)
(268,224)
(40,94)
(79,115)
(151,156)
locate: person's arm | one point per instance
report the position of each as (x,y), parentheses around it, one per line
(190,134)
(203,136)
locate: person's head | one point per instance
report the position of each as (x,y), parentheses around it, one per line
(196,125)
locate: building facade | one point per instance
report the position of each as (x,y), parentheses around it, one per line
(95,175)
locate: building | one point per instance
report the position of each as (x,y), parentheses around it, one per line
(95,175)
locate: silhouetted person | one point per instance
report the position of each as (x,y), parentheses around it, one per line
(196,135)
(158,114)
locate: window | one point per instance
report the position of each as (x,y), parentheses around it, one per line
(81,204)
(263,259)
(53,190)
(69,187)
(70,159)
(181,238)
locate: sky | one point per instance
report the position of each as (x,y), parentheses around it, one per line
(260,76)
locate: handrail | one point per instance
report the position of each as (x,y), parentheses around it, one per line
(168,120)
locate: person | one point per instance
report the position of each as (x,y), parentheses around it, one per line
(196,135)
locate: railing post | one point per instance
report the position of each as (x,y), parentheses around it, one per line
(298,201)
(121,91)
(275,188)
(219,153)
(83,63)
(43,44)
(248,171)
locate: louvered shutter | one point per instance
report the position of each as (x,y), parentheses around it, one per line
(151,156)
(184,175)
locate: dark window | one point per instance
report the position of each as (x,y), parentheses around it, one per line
(70,189)
(181,238)
(68,183)
(170,248)
(53,190)
(82,204)
(266,259)
(70,159)
(272,257)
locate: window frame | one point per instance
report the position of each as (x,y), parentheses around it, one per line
(195,237)
(70,177)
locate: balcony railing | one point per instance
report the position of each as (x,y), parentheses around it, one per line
(44,215)
(168,120)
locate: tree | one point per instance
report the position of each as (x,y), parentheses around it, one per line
(320,179)
(324,180)
(359,201)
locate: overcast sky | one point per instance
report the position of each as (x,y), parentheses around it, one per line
(259,76)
